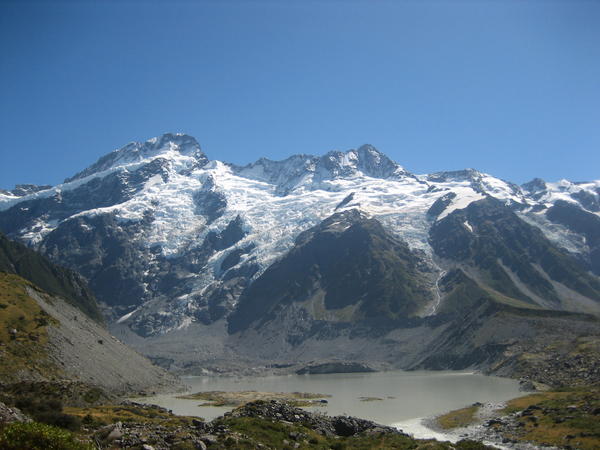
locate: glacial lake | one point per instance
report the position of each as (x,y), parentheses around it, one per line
(406,396)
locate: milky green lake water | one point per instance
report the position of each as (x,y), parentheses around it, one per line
(406,395)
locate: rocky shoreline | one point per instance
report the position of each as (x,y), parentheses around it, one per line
(256,425)
(109,423)
(567,419)
(485,429)
(298,427)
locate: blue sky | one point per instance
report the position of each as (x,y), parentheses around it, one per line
(508,87)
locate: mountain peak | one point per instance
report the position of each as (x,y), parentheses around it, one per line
(135,152)
(366,160)
(534,186)
(455,175)
(302,169)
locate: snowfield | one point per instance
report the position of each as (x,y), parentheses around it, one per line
(276,200)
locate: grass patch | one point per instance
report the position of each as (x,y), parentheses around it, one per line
(107,414)
(459,418)
(23,332)
(19,436)
(570,417)
(521,403)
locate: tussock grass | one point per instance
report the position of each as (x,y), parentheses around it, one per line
(107,414)
(560,418)
(459,418)
(23,332)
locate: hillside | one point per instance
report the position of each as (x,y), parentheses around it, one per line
(17,259)
(43,338)
(56,333)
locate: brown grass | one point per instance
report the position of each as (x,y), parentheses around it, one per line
(564,418)
(24,352)
(107,414)
(459,418)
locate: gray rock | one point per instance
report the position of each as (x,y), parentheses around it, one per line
(209,439)
(115,433)
(11,414)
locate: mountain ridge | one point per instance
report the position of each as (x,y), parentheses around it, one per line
(172,241)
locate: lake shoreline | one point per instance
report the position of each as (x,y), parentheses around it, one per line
(385,397)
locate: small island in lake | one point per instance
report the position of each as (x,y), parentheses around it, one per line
(239,398)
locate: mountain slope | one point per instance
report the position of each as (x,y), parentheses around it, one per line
(48,337)
(347,266)
(585,223)
(514,258)
(175,246)
(17,259)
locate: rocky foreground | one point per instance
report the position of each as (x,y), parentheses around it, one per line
(568,418)
(257,425)
(36,418)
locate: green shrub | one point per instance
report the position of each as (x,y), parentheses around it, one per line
(467,444)
(59,419)
(46,410)
(338,446)
(38,436)
(32,404)
(93,395)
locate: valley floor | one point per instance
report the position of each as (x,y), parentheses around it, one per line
(565,418)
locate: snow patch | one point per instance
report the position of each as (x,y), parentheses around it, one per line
(465,196)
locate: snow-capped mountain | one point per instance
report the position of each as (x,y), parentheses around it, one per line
(168,238)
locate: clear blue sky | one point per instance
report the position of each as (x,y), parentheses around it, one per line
(508,87)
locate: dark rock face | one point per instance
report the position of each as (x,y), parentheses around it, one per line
(440,205)
(588,200)
(536,187)
(102,250)
(229,236)
(353,260)
(579,221)
(345,201)
(335,367)
(209,202)
(498,239)
(21,190)
(234,257)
